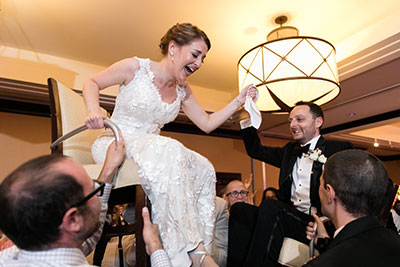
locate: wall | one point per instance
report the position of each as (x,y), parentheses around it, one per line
(393,168)
(22,137)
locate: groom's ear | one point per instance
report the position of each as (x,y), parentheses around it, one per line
(318,122)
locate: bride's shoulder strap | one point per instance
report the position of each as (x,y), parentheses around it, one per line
(144,63)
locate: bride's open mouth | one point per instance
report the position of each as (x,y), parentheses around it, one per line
(188,70)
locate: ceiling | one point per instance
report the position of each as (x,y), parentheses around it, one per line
(364,32)
(384,132)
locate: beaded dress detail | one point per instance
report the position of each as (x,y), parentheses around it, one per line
(179,182)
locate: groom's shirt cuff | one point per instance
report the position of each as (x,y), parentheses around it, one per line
(245,124)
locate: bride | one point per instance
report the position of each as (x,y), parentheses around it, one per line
(179,182)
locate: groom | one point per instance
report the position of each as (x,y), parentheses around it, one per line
(256,233)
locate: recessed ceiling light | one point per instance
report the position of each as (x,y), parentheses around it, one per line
(350,114)
(376,144)
(250,31)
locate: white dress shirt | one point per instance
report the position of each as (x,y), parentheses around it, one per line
(396,220)
(338,231)
(301,174)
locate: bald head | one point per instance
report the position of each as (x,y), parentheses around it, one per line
(236,192)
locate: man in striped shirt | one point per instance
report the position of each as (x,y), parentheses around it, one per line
(53,211)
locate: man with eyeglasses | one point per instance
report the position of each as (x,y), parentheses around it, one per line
(53,211)
(236,192)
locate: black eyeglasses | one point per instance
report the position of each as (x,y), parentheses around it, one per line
(99,190)
(235,193)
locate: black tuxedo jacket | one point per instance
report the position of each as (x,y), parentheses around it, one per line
(363,242)
(285,158)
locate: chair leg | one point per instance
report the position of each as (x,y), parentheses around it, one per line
(100,248)
(142,259)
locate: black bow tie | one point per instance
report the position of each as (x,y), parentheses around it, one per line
(299,150)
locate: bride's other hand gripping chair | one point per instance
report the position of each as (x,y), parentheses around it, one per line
(68,113)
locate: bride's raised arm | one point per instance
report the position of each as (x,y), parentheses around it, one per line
(209,122)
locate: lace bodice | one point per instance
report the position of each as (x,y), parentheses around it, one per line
(139,108)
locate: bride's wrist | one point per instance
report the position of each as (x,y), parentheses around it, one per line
(238,102)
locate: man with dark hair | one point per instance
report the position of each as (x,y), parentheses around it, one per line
(256,233)
(51,210)
(351,190)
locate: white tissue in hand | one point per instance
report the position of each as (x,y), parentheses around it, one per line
(255,115)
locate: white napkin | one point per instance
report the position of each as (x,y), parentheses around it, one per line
(255,115)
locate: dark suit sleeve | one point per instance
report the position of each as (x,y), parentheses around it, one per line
(334,146)
(347,145)
(254,148)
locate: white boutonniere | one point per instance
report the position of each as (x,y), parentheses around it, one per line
(317,155)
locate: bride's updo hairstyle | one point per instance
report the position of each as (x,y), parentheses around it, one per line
(182,34)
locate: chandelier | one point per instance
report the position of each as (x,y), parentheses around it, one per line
(289,68)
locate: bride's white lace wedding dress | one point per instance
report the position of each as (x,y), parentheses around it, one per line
(179,182)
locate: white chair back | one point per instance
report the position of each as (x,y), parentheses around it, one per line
(70,113)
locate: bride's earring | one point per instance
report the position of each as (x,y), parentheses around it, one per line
(172,56)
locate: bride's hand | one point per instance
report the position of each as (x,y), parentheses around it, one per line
(94,120)
(250,90)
